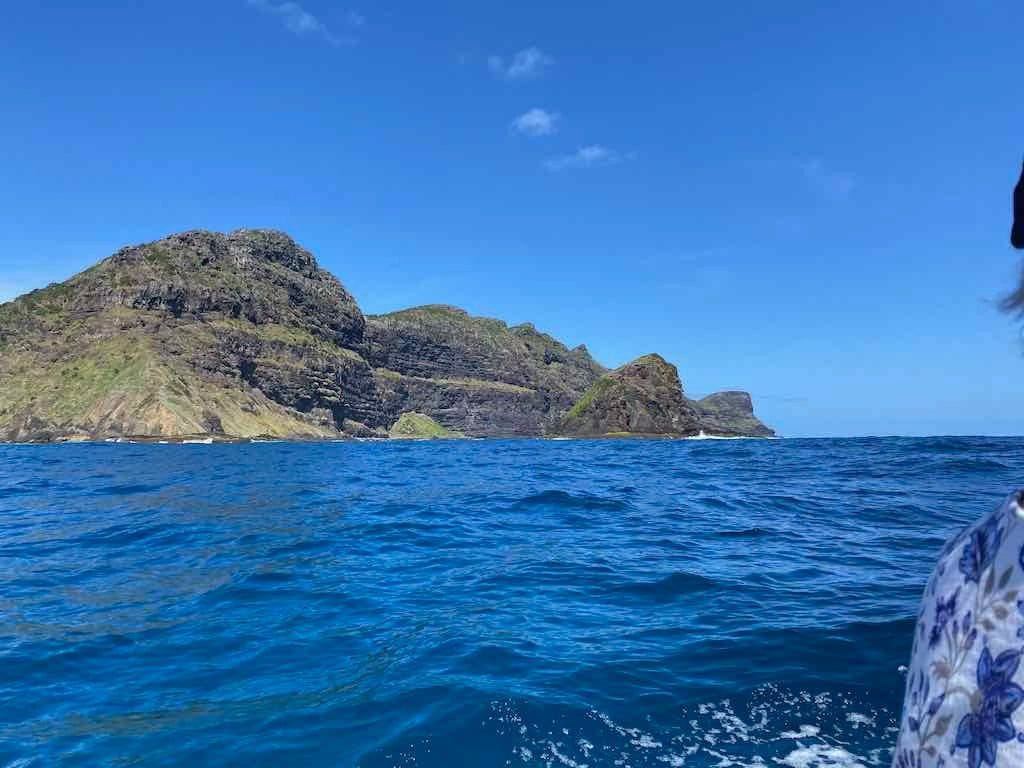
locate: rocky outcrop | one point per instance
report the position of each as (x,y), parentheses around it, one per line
(244,335)
(419,426)
(730,414)
(644,397)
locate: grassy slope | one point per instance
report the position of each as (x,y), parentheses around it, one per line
(83,375)
(599,387)
(418,425)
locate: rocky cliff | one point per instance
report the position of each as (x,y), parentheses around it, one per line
(644,397)
(730,414)
(475,375)
(199,333)
(244,335)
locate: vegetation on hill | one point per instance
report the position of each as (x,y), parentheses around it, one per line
(419,425)
(244,335)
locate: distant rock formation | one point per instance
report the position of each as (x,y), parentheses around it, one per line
(644,397)
(730,414)
(243,335)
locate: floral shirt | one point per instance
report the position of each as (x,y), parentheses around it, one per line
(965,684)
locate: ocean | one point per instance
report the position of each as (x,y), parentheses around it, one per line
(485,603)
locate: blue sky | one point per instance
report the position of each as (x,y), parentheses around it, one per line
(806,200)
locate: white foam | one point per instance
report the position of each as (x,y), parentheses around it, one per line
(702,435)
(820,756)
(775,727)
(564,759)
(645,742)
(857,719)
(676,761)
(804,732)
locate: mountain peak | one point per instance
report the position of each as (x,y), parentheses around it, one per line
(199,248)
(274,246)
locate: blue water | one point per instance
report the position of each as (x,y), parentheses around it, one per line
(620,603)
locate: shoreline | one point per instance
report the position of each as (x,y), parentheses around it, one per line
(230,440)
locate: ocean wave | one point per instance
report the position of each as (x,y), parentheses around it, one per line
(127,489)
(745,533)
(669,587)
(566,500)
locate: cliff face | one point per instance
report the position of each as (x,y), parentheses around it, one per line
(199,333)
(243,335)
(644,397)
(475,375)
(730,414)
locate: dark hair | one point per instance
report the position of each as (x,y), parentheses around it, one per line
(1015,301)
(1017,233)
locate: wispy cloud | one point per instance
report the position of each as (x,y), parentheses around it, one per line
(526,64)
(832,184)
(593,156)
(537,122)
(304,24)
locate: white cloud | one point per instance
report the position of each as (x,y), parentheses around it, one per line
(527,63)
(592,156)
(835,185)
(537,122)
(304,24)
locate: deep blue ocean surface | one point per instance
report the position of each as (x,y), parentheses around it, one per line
(618,603)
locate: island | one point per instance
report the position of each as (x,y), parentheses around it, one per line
(244,336)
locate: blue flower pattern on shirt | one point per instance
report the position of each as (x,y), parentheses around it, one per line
(944,611)
(981,549)
(981,731)
(962,701)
